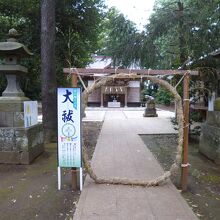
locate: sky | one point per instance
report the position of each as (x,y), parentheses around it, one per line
(137,11)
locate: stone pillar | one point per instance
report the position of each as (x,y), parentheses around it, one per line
(209,144)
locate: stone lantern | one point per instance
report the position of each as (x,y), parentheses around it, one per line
(150,110)
(19,143)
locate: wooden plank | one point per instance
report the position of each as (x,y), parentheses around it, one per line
(88,72)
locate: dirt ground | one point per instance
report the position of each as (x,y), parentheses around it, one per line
(30,191)
(203,194)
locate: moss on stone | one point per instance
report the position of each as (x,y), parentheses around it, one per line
(211,178)
(4,193)
(217,104)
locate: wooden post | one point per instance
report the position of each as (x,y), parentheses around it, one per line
(185,162)
(73,169)
(102,96)
(74,178)
(126,97)
(74,80)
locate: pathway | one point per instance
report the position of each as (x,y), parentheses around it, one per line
(120,152)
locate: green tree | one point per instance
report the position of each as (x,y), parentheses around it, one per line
(176,30)
(80,18)
(121,39)
(78,26)
(179,29)
(24,18)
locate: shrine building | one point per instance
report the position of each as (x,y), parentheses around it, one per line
(121,93)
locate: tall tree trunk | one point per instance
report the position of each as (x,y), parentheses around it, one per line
(49,106)
(182,42)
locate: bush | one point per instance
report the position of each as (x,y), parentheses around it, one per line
(196,116)
(163,97)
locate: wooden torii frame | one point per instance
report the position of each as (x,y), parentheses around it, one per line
(186,79)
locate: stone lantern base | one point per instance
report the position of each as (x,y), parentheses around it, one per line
(150,110)
(150,113)
(18,145)
(21,145)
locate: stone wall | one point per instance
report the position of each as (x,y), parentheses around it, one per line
(209,144)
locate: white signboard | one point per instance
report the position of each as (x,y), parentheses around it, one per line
(69,127)
(30,113)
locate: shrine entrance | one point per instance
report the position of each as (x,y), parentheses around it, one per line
(114,96)
(182,110)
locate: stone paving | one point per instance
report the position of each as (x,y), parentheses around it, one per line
(98,114)
(120,152)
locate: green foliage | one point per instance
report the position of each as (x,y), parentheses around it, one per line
(24,18)
(77,36)
(144,92)
(31,83)
(196,116)
(163,97)
(149,89)
(176,30)
(2,84)
(78,26)
(121,39)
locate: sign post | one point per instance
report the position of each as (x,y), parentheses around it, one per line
(69,130)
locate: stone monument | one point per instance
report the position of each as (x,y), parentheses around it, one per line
(20,142)
(150,110)
(209,144)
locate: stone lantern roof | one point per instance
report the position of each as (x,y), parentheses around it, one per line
(13,47)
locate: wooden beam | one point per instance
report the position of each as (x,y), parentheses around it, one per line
(90,72)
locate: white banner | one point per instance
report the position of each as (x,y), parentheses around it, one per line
(69,127)
(30,113)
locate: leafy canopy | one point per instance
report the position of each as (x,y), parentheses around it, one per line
(77,35)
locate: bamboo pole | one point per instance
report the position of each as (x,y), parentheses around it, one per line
(185,162)
(73,169)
